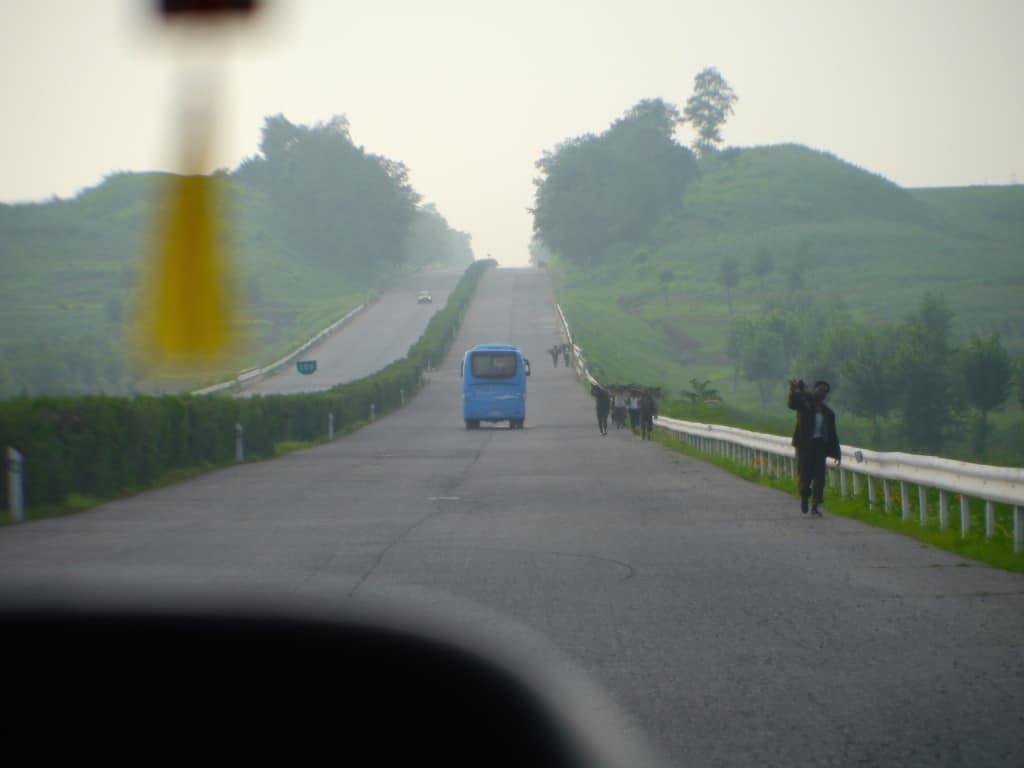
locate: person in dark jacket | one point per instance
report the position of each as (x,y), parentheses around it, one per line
(814,439)
(648,410)
(604,404)
(554,352)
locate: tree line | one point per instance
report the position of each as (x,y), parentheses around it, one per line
(912,370)
(339,204)
(308,196)
(599,195)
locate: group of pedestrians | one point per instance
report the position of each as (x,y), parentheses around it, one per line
(561,349)
(814,439)
(622,401)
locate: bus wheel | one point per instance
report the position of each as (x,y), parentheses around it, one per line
(472,423)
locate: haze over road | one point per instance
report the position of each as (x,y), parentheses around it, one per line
(379,335)
(735,630)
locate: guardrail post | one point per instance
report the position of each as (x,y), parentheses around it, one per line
(871,491)
(401,396)
(904,501)
(965,515)
(990,519)
(760,463)
(373,411)
(429,367)
(943,510)
(15,489)
(922,505)
(239,443)
(842,482)
(1018,529)
(330,426)
(856,483)
(886,496)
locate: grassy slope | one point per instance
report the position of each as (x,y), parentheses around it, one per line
(870,245)
(67,268)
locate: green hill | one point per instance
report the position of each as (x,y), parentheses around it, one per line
(68,274)
(767,187)
(838,236)
(313,223)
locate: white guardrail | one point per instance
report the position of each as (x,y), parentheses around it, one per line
(773,455)
(254,373)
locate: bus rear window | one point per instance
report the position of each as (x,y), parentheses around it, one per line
(493,365)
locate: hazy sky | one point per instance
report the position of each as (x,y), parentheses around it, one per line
(468,93)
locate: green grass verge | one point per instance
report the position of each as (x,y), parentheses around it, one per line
(997,551)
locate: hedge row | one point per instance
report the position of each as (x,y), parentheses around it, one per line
(100,446)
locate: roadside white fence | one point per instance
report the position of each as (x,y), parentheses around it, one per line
(254,373)
(890,475)
(579,361)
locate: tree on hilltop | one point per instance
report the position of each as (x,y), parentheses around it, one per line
(707,109)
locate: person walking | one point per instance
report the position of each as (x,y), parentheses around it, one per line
(634,411)
(554,354)
(604,403)
(814,439)
(619,414)
(648,410)
(567,355)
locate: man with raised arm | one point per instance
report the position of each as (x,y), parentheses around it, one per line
(814,439)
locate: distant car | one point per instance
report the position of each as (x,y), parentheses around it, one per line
(424,298)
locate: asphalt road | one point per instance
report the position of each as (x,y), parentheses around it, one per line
(730,628)
(379,335)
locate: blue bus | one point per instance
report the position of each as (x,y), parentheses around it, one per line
(494,385)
